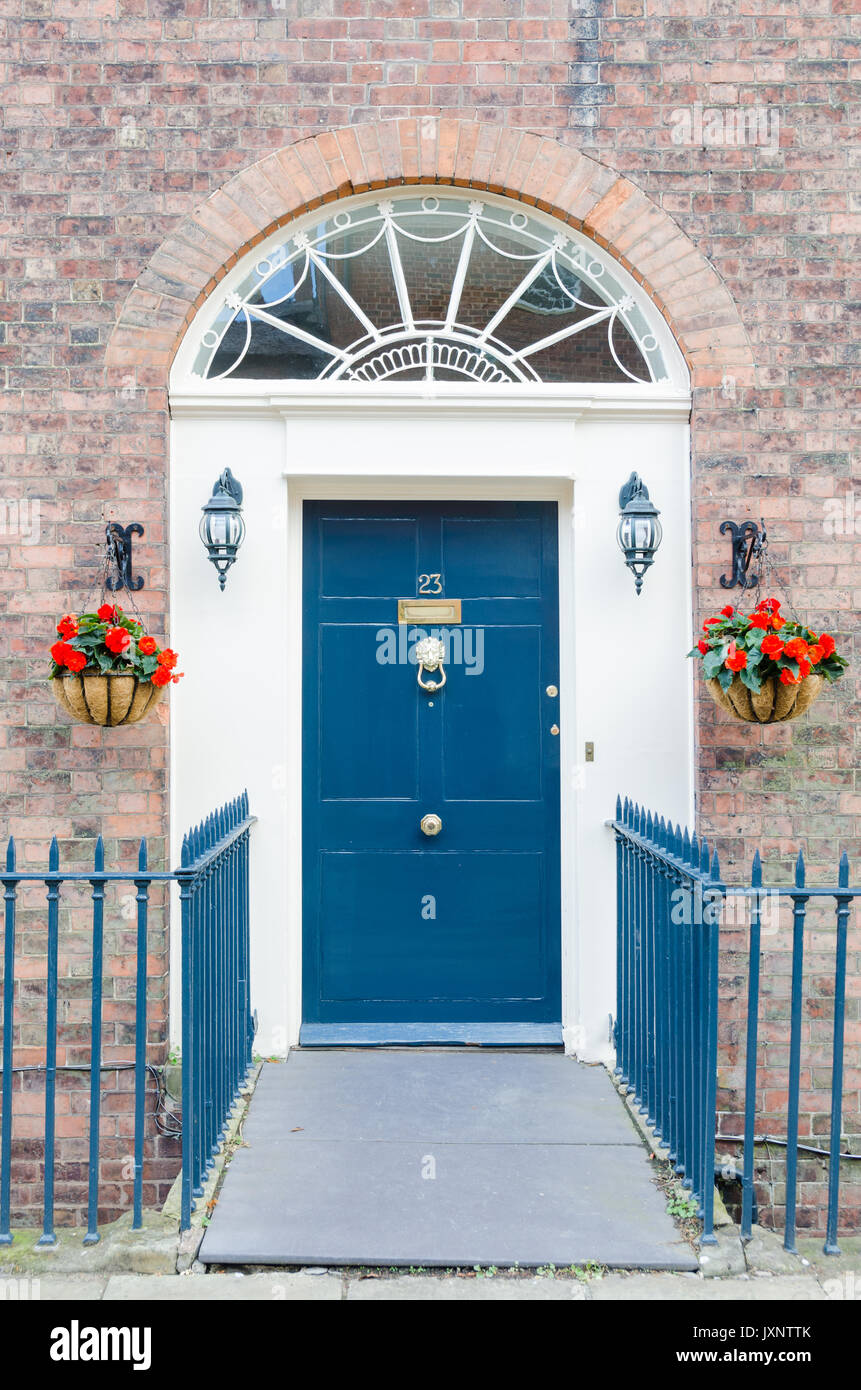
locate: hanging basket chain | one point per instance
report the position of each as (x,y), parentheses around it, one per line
(110,567)
(114,562)
(768,570)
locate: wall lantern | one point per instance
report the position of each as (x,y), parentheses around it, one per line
(222,529)
(639,532)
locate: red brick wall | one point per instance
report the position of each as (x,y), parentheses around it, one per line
(123,116)
(779,224)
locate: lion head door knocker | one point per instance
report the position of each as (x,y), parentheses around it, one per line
(430,654)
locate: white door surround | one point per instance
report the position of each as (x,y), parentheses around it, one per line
(433,427)
(639,717)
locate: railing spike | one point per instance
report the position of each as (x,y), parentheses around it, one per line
(756,871)
(10,855)
(704,856)
(54,855)
(185,854)
(695,850)
(618,808)
(648,825)
(142,859)
(799,870)
(715,867)
(99,856)
(686,847)
(843,874)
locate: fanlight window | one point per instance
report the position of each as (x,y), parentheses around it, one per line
(430,288)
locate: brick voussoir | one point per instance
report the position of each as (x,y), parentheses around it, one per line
(316,169)
(428,148)
(252,184)
(590,192)
(297,177)
(465,150)
(352,158)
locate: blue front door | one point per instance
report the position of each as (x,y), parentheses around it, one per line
(407,936)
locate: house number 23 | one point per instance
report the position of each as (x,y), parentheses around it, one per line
(430,583)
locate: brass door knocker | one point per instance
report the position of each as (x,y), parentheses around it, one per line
(430,652)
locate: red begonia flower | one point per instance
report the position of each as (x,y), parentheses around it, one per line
(117,639)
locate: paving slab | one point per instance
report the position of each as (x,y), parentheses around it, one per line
(440,1159)
(447,1096)
(500,1289)
(55,1288)
(693,1288)
(286,1286)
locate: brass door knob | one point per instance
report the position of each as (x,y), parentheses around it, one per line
(431,825)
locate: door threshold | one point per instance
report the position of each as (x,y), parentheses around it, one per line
(416,1034)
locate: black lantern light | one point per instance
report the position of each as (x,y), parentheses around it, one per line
(222,529)
(639,532)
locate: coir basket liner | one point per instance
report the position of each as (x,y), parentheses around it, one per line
(112,698)
(774,703)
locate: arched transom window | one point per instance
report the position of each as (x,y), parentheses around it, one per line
(437,286)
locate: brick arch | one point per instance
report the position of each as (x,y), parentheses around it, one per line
(560,180)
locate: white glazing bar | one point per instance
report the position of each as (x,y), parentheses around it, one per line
(460,275)
(515,295)
(345,295)
(295,332)
(565,332)
(398,275)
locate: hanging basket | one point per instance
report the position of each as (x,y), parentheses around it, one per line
(110,699)
(774,703)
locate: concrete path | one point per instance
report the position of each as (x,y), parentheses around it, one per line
(334,1286)
(440,1158)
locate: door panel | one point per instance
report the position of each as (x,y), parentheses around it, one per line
(404,935)
(492,557)
(378,947)
(501,711)
(363,758)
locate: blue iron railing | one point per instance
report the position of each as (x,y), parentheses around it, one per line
(670,900)
(667,990)
(217,1028)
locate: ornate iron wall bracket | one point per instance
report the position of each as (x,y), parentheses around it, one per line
(748,542)
(119,540)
